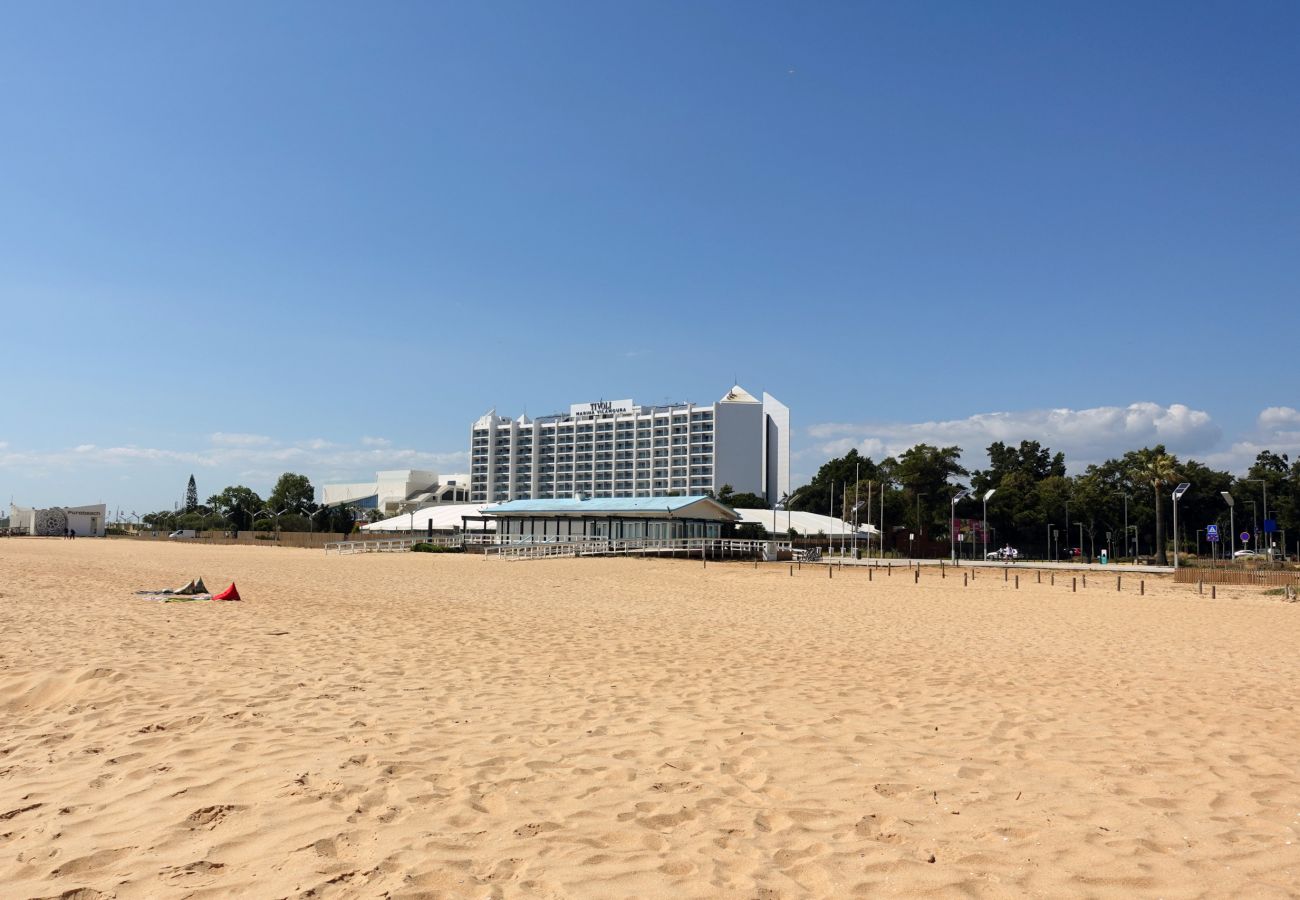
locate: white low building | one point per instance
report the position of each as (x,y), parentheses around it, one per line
(57,521)
(807,524)
(443,518)
(398,490)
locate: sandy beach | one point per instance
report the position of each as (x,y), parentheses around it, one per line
(448,726)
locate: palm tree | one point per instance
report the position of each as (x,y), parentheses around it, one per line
(1157,468)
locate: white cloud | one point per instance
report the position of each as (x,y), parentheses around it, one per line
(252,454)
(1277,429)
(1084,435)
(228,439)
(1279,418)
(368,441)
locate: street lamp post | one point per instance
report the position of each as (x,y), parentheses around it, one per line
(987,494)
(1080,524)
(1047,553)
(1125,496)
(1254,524)
(952,522)
(1269,548)
(1232,527)
(1178,492)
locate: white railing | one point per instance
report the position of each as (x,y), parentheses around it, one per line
(713,548)
(389,545)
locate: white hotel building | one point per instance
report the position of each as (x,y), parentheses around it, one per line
(618,449)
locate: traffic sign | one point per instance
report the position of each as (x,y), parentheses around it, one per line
(1245,537)
(1270,526)
(1212,530)
(1212,537)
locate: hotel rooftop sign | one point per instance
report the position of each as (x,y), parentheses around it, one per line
(602,408)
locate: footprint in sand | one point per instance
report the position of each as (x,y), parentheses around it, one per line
(533,829)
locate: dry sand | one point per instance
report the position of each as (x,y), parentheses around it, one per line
(446,726)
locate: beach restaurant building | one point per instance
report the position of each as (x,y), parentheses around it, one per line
(610,518)
(57,521)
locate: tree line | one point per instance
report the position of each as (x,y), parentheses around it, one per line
(291,506)
(1034,497)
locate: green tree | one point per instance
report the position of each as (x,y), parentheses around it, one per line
(929,474)
(1202,505)
(1015,473)
(292,493)
(191,496)
(236,505)
(1153,466)
(728,497)
(835,476)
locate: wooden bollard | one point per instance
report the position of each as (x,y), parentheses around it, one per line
(830,571)
(963,579)
(870,572)
(1200,588)
(1040,576)
(792,571)
(1017,582)
(1211,592)
(1142,587)
(916,577)
(1085,579)
(1005,573)
(1053,582)
(1074,585)
(1117,582)
(889,570)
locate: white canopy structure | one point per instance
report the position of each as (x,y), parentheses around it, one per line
(806,523)
(444,518)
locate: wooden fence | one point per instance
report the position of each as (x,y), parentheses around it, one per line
(249,538)
(1261,577)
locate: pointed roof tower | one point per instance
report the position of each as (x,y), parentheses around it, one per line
(738,394)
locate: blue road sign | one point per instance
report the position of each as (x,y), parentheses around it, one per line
(1212,530)
(1245,537)
(1212,538)
(1270,526)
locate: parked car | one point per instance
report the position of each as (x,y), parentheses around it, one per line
(1006,553)
(183,534)
(1247,554)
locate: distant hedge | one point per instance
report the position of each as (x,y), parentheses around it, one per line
(433,548)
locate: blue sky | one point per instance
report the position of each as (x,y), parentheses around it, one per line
(244,238)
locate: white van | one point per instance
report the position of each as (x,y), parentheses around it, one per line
(183,534)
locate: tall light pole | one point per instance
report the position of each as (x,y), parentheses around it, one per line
(952,521)
(1178,492)
(1254,524)
(1080,524)
(881,527)
(1264,485)
(1047,554)
(1125,496)
(987,494)
(1067,525)
(1231,523)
